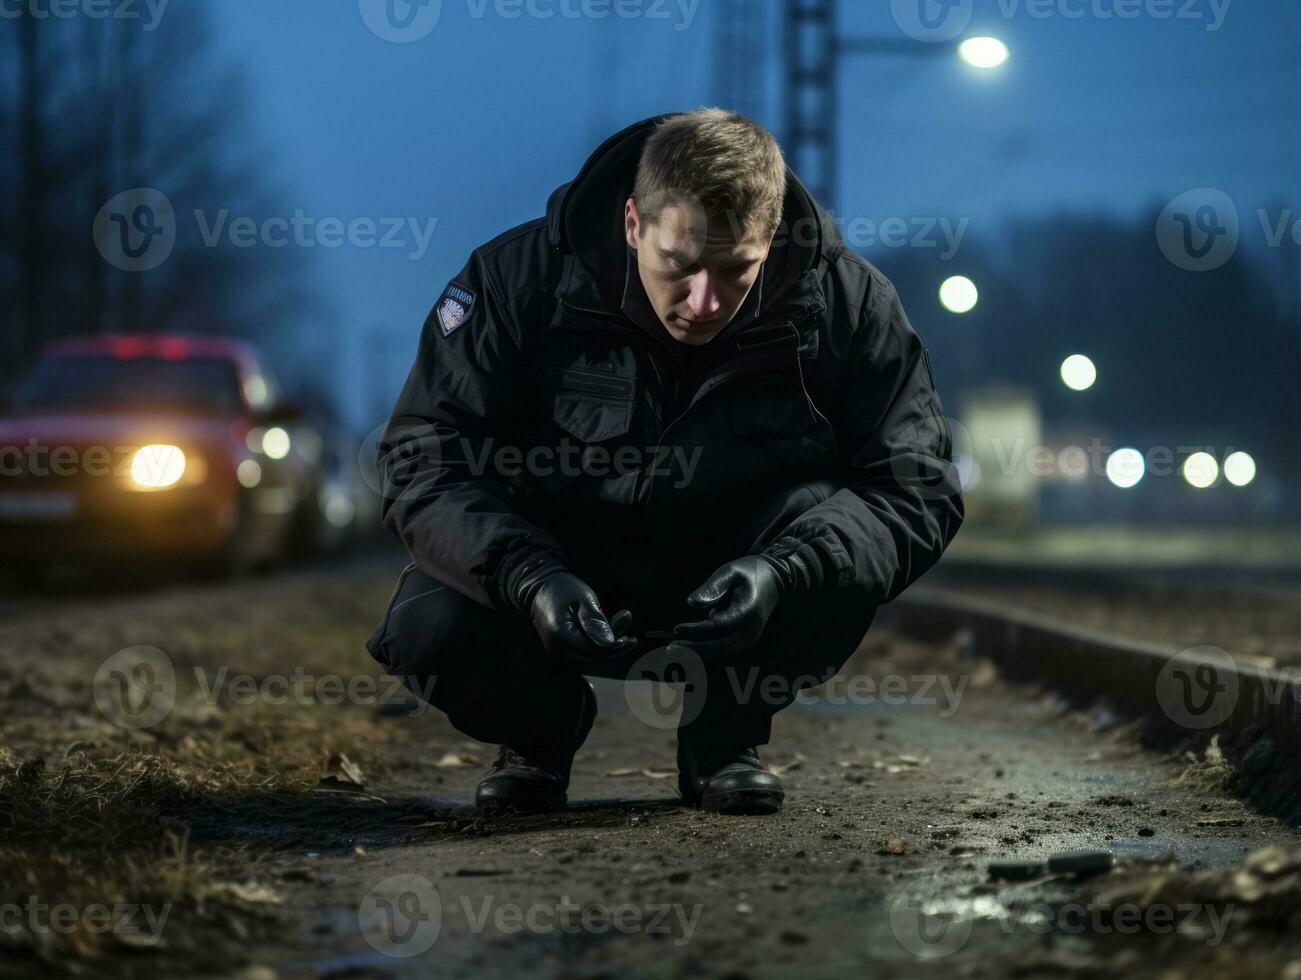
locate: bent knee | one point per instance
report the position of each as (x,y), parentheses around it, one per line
(424,622)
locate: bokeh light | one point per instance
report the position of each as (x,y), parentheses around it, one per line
(1078,373)
(983,52)
(1201,470)
(1239,468)
(1125,467)
(958,294)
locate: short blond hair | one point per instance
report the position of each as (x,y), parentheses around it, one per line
(730,165)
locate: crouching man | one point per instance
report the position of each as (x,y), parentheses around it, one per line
(674,418)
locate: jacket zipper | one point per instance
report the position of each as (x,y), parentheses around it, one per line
(720,379)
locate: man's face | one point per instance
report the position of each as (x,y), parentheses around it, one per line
(696,277)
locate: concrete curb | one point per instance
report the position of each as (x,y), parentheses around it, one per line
(1197,692)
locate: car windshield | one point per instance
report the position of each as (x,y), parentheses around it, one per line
(193,384)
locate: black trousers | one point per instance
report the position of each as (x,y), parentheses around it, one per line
(488,672)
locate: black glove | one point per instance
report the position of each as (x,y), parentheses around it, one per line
(740,597)
(571,623)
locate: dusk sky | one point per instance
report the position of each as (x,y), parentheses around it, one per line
(475,123)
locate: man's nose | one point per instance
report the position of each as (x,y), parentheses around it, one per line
(703,299)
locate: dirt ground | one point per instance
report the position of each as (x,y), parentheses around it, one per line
(274,822)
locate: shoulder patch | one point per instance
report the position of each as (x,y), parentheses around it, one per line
(454,307)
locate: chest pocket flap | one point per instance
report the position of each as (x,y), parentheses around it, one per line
(591,405)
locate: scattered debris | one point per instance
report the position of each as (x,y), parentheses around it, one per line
(343,774)
(650,772)
(457,760)
(901,763)
(1081,863)
(785,767)
(250,892)
(1015,870)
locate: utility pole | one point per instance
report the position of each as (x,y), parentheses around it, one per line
(813,49)
(812,111)
(740,78)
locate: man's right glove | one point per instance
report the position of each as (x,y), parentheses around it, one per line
(568,616)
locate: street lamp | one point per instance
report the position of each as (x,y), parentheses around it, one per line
(1078,373)
(958,294)
(984,53)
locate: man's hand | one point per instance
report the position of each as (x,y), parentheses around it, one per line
(572,625)
(740,597)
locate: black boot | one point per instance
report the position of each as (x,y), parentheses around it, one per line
(529,782)
(740,784)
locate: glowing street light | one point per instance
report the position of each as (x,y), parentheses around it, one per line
(958,294)
(984,53)
(1125,467)
(1078,373)
(1201,470)
(1239,468)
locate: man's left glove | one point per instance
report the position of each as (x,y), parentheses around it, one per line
(740,597)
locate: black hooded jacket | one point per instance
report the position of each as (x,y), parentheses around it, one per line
(546,400)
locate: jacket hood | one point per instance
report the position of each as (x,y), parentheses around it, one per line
(585,220)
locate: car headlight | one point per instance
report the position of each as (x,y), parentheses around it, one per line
(157,467)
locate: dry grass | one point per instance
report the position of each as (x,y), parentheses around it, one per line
(93,815)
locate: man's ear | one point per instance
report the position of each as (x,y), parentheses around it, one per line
(631,223)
